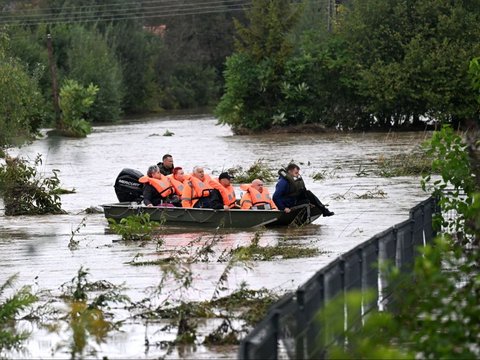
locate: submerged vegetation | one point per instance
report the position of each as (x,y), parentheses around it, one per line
(86,320)
(10,309)
(260,169)
(414,163)
(269,253)
(25,191)
(136,227)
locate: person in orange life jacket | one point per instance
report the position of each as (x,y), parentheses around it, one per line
(256,197)
(224,186)
(177,179)
(166,165)
(157,188)
(198,192)
(291,191)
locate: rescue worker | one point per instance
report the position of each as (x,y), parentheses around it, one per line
(177,179)
(199,193)
(157,189)
(166,165)
(290,191)
(257,197)
(224,186)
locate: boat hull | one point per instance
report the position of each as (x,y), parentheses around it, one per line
(188,217)
(298,216)
(212,218)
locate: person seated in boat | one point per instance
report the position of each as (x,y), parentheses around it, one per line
(177,179)
(199,193)
(256,197)
(291,191)
(224,186)
(157,189)
(166,165)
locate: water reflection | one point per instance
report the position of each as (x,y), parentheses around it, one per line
(37,247)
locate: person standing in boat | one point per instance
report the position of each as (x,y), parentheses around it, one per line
(157,189)
(166,165)
(257,197)
(199,193)
(224,186)
(291,191)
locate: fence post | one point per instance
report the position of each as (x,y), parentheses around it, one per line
(300,340)
(275,326)
(315,344)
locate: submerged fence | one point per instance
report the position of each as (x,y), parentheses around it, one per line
(290,329)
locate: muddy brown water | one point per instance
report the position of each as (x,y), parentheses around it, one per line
(36,247)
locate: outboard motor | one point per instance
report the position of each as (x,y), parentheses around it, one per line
(127,186)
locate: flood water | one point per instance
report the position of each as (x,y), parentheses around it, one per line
(36,247)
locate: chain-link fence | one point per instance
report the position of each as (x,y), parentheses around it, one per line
(290,331)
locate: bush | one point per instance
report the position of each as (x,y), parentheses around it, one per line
(25,192)
(91,61)
(75,102)
(9,309)
(21,104)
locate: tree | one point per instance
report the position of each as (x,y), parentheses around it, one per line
(75,101)
(413,57)
(21,104)
(90,60)
(264,46)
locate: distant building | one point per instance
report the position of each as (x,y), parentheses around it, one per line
(158,30)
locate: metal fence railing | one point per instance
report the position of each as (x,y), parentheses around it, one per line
(290,330)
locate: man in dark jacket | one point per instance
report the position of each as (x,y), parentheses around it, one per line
(291,191)
(166,165)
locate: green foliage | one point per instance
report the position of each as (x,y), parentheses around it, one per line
(414,163)
(21,104)
(75,102)
(25,192)
(86,318)
(137,52)
(258,170)
(240,106)
(10,307)
(436,316)
(385,64)
(253,74)
(135,227)
(268,253)
(189,86)
(474,72)
(413,58)
(456,188)
(91,61)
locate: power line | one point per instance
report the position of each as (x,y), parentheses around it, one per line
(164,9)
(130,17)
(81,10)
(93,6)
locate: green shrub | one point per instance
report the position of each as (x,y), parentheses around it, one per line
(9,309)
(75,102)
(258,170)
(22,108)
(25,192)
(135,227)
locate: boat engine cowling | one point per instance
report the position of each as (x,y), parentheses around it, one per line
(127,187)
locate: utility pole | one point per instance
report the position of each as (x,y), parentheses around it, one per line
(53,73)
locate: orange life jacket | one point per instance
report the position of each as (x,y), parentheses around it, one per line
(177,185)
(228,193)
(194,190)
(162,185)
(255,199)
